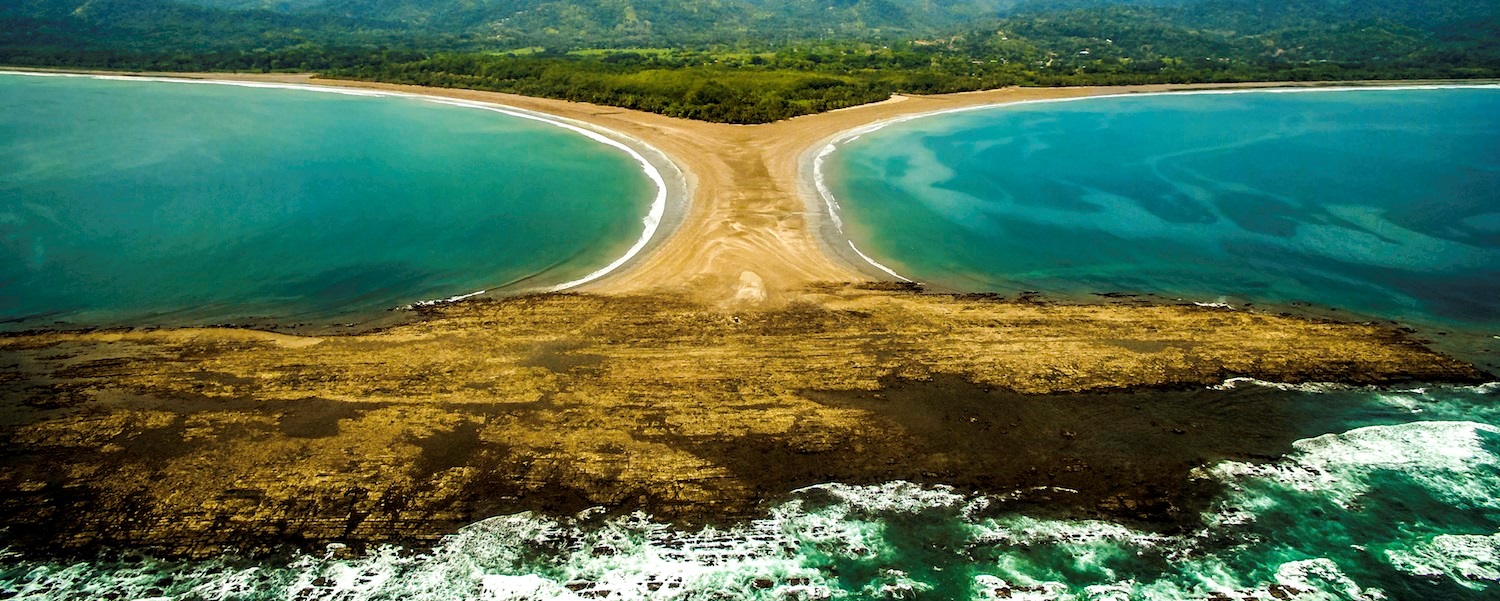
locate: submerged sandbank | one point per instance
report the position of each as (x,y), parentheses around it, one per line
(822,199)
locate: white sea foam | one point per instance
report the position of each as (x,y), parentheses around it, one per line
(1441,402)
(1028,531)
(991,587)
(444,301)
(623,558)
(634,557)
(831,205)
(519,588)
(1444,402)
(1443,457)
(1471,560)
(896,496)
(877,265)
(651,222)
(1314,387)
(784,555)
(1322,575)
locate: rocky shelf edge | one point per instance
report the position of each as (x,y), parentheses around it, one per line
(196,440)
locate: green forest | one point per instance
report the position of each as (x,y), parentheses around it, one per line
(754,61)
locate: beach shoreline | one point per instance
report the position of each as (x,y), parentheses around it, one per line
(821,197)
(745,222)
(664,215)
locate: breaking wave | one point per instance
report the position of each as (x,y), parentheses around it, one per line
(1400,511)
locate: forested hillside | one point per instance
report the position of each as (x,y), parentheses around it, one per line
(751,61)
(501,24)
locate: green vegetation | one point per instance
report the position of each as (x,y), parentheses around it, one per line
(751,61)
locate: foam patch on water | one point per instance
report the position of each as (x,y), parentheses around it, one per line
(1446,402)
(894,584)
(898,496)
(1315,579)
(1442,456)
(1472,561)
(1312,387)
(991,587)
(1028,531)
(1324,579)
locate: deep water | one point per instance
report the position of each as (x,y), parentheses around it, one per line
(151,203)
(1400,500)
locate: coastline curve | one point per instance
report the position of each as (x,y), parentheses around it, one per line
(673,193)
(825,207)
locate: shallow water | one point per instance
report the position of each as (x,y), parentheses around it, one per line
(1400,501)
(150,203)
(1382,202)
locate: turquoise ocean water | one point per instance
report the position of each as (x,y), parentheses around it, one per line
(1386,494)
(1383,202)
(137,202)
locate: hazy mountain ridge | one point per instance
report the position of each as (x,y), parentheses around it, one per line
(750,61)
(579,19)
(507,24)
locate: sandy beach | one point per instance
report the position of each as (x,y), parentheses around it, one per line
(750,232)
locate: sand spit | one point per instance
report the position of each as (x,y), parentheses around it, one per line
(752,207)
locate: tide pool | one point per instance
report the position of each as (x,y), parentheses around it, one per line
(1383,202)
(151,203)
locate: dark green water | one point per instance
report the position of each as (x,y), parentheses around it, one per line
(137,202)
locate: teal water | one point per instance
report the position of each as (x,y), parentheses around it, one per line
(1382,202)
(137,202)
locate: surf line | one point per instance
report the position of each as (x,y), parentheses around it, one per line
(832,205)
(832,144)
(651,222)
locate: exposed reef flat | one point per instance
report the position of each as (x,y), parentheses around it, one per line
(191,441)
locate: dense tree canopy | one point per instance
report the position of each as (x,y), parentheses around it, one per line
(749,61)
